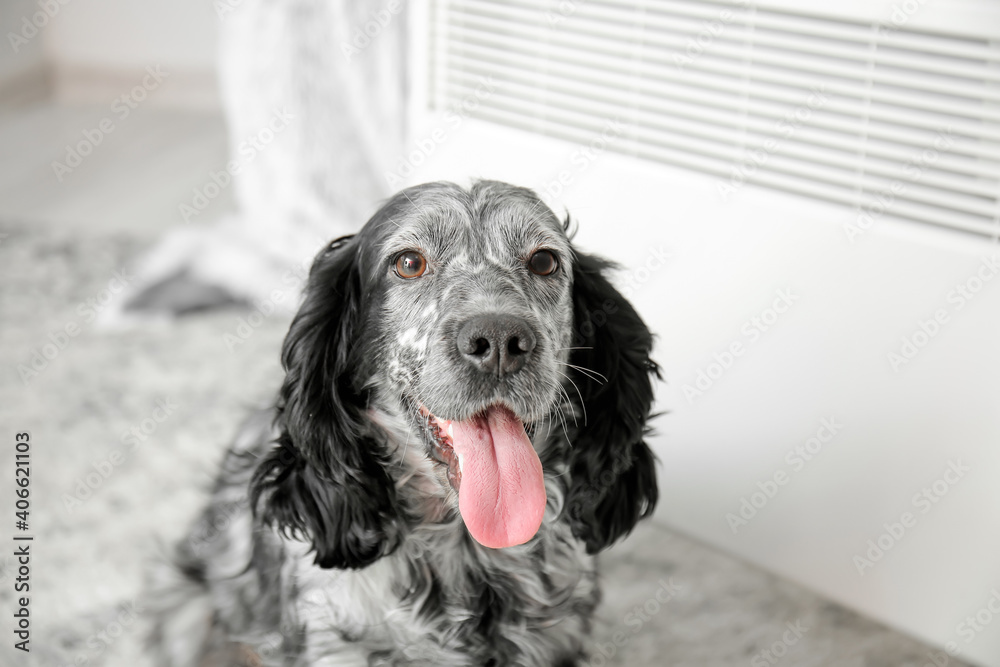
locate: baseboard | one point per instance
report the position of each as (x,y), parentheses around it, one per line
(196,90)
(26,87)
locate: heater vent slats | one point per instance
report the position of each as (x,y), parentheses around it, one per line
(845,111)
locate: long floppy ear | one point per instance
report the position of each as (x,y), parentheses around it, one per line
(326,479)
(613,470)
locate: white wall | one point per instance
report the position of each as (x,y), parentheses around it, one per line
(123,35)
(17,58)
(826,357)
(95,49)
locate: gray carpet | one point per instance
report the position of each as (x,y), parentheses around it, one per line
(92,544)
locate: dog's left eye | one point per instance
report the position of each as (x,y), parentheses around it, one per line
(543,263)
(410,264)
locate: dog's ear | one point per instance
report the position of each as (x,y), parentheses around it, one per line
(612,469)
(326,480)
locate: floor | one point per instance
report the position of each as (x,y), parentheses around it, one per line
(106,501)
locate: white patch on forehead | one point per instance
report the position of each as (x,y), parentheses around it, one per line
(429,311)
(497,254)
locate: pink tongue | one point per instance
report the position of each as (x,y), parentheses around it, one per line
(502,492)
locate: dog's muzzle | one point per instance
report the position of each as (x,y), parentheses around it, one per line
(496,344)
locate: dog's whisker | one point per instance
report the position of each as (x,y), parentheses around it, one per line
(557,412)
(584,369)
(562,419)
(592,374)
(569,406)
(578,393)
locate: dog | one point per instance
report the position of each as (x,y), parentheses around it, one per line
(460,430)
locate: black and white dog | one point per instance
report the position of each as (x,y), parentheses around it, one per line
(459,430)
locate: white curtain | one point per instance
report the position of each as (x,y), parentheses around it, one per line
(323,82)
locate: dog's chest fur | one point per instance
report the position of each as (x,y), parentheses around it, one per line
(443,600)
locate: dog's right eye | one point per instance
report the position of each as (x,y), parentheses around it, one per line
(410,264)
(543,263)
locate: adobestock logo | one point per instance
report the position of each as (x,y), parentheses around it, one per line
(103,639)
(924,500)
(751,329)
(122,107)
(208,530)
(900,15)
(796,458)
(710,30)
(754,158)
(40,358)
(970,628)
(246,151)
(136,435)
(246,327)
(778,649)
(639,276)
(928,329)
(363,36)
(425,147)
(565,9)
(881,202)
(583,157)
(30,27)
(635,619)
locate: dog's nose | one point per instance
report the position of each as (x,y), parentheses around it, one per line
(496,344)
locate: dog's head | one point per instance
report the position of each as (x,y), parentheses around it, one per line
(469,313)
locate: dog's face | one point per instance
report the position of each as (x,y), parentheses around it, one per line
(473,338)
(477,306)
(469,313)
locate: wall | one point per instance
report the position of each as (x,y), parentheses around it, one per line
(97,48)
(119,35)
(19,58)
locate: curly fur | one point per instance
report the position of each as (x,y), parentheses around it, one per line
(333,536)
